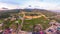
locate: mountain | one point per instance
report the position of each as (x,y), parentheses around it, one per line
(43,11)
(7,13)
(55,10)
(3,8)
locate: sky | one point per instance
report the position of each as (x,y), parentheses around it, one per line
(40,4)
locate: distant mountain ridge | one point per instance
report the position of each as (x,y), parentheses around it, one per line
(3,8)
(47,13)
(55,10)
(43,11)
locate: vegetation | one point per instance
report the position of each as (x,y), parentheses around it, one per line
(28,24)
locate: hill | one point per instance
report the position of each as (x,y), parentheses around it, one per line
(28,24)
(45,12)
(7,13)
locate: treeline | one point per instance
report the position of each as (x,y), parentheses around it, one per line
(7,13)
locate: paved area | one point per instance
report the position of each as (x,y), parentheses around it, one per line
(24,32)
(29,32)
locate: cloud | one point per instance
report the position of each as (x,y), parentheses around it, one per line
(40,5)
(9,6)
(11,1)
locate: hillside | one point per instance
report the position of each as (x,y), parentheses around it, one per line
(28,24)
(45,12)
(15,11)
(7,13)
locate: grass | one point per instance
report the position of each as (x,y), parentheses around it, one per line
(1,21)
(28,24)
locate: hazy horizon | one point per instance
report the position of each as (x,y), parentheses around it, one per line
(40,4)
